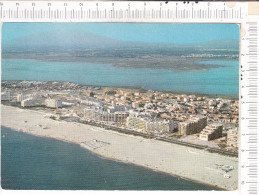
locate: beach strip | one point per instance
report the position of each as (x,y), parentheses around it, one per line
(186,162)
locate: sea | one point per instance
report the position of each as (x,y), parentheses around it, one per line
(222,80)
(30,162)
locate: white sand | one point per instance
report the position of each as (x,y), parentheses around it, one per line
(171,158)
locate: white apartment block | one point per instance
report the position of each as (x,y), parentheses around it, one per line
(152,125)
(32,102)
(100,115)
(20,97)
(53,103)
(5,96)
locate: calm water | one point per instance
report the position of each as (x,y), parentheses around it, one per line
(30,162)
(223,80)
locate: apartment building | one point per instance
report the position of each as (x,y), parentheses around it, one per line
(192,126)
(53,103)
(147,124)
(99,115)
(5,96)
(33,101)
(232,138)
(211,132)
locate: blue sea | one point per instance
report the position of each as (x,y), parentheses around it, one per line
(222,80)
(30,162)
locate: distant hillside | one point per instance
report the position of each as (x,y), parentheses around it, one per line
(86,40)
(218,44)
(63,40)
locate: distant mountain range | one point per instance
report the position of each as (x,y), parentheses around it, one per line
(218,44)
(86,40)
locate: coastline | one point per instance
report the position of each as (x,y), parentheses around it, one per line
(117,160)
(142,89)
(174,159)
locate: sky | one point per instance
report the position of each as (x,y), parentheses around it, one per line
(143,32)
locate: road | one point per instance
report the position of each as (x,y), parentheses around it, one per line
(171,140)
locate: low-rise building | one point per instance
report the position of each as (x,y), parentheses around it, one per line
(211,132)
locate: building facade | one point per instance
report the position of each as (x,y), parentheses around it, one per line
(33,102)
(232,138)
(211,132)
(5,96)
(150,125)
(99,115)
(53,103)
(192,126)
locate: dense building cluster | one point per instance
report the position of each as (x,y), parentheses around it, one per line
(159,113)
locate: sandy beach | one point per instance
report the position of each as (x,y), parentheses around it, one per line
(182,161)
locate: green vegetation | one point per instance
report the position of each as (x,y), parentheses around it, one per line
(222,145)
(63,117)
(53,117)
(176,136)
(10,103)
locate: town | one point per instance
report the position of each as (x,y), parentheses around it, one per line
(187,119)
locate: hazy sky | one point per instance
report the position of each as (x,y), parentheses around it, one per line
(147,32)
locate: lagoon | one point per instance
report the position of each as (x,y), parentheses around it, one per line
(220,80)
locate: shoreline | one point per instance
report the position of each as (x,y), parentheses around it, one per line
(116,160)
(139,88)
(127,148)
